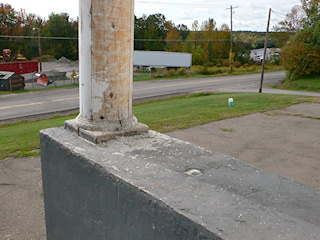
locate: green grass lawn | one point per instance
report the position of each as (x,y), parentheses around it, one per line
(303,84)
(20,140)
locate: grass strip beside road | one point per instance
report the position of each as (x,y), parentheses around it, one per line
(194,72)
(22,139)
(311,84)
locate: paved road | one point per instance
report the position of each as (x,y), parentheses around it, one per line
(35,104)
(170,87)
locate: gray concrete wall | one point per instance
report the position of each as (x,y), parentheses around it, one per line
(140,188)
(84,201)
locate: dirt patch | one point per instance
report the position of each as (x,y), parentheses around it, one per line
(64,60)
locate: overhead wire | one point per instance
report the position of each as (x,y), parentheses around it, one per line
(279,14)
(181,40)
(182,4)
(141,40)
(36,37)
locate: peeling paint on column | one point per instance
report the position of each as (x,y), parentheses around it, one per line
(106,65)
(111,50)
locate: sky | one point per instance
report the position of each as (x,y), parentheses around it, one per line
(251,15)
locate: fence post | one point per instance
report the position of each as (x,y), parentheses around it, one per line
(32,79)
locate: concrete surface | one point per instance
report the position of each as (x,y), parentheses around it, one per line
(266,141)
(146,183)
(21,201)
(284,141)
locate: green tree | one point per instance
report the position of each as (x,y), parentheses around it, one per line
(154,42)
(183,31)
(198,55)
(301,56)
(154,29)
(59,25)
(172,38)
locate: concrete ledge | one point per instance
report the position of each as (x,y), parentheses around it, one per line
(99,137)
(156,187)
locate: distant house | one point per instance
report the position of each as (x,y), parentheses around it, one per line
(257,54)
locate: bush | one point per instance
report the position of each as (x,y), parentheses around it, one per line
(218,63)
(195,69)
(209,64)
(159,73)
(182,71)
(46,58)
(205,71)
(217,71)
(225,63)
(237,64)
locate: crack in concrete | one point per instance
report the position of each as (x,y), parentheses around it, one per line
(290,114)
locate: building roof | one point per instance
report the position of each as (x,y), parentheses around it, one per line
(6,75)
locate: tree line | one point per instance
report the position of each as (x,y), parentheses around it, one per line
(208,43)
(22,30)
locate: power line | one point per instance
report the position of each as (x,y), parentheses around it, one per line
(33,37)
(182,4)
(137,40)
(180,40)
(277,13)
(145,40)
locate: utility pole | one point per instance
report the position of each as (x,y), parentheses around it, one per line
(265,52)
(40,53)
(39,45)
(231,35)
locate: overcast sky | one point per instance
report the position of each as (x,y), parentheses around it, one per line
(250,14)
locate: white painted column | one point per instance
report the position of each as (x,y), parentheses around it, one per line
(106,33)
(106,62)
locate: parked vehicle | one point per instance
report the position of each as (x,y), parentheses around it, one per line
(162,59)
(6,55)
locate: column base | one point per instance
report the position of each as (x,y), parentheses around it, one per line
(101,136)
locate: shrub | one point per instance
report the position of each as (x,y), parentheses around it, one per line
(46,58)
(182,71)
(205,71)
(237,64)
(209,64)
(225,63)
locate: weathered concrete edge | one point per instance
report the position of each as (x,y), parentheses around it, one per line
(301,200)
(141,214)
